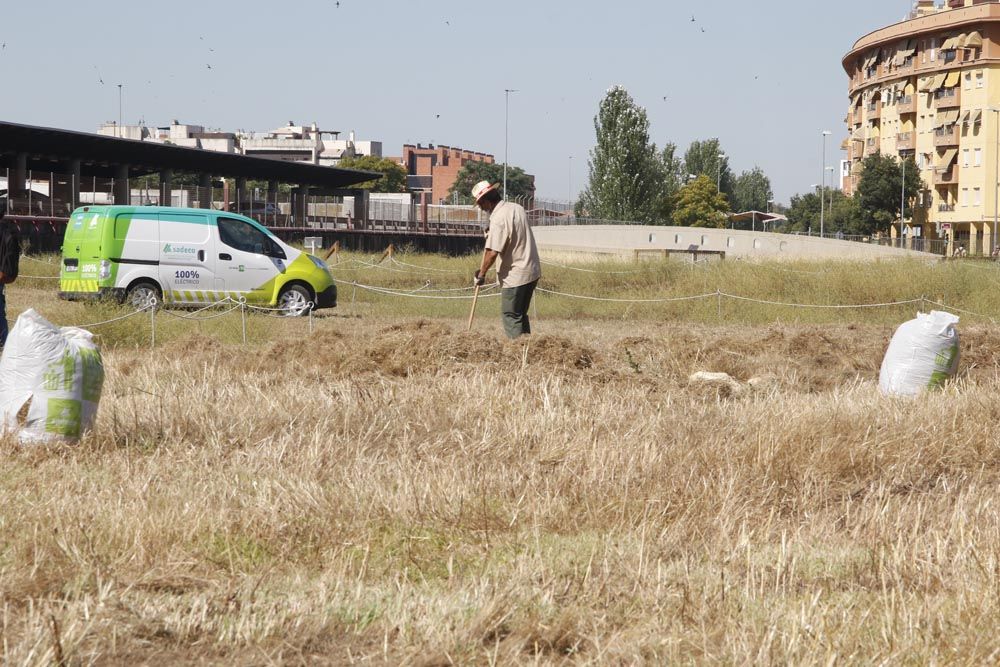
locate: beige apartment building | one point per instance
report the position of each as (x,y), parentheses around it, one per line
(929,88)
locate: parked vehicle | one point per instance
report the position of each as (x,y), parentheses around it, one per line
(183,256)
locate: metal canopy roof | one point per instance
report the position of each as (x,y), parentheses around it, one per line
(51,149)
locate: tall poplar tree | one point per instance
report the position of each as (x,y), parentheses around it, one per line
(626,173)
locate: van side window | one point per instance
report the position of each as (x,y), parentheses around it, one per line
(241,236)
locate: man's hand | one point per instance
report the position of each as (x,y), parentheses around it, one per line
(478,280)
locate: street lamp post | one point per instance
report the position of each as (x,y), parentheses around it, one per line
(817,187)
(718,177)
(822,186)
(768,211)
(902,192)
(506,127)
(996,179)
(569,188)
(119,110)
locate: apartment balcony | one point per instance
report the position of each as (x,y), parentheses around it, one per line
(947,136)
(905,141)
(947,98)
(856,117)
(946,208)
(949,177)
(871,147)
(907,104)
(874,110)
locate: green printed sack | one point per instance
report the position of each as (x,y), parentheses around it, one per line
(59,370)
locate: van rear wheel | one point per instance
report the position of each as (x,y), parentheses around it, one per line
(295,301)
(143,295)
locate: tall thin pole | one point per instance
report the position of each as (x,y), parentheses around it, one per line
(902,193)
(569,189)
(718,175)
(506,135)
(119,110)
(822,187)
(996,181)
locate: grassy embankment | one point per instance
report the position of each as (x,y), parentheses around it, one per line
(392,489)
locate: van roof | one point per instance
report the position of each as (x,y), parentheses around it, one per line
(121,208)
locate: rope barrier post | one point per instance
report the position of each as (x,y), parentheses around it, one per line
(152,327)
(243,319)
(718,303)
(354,291)
(310,319)
(923,303)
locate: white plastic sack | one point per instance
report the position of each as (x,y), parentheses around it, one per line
(59,370)
(922,354)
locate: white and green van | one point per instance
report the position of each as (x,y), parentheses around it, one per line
(187,257)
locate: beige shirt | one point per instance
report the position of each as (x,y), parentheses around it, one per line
(511,237)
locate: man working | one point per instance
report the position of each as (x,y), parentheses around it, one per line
(509,238)
(10,255)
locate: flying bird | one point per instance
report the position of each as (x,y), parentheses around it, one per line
(692,18)
(437,115)
(208,66)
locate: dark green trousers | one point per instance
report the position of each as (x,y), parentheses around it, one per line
(514,302)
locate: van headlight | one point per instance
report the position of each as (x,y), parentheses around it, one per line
(105,271)
(320,264)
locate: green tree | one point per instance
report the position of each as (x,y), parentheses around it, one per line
(672,180)
(393,175)
(879,191)
(519,184)
(751,191)
(626,174)
(699,204)
(803,213)
(702,159)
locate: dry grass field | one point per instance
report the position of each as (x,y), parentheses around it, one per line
(392,489)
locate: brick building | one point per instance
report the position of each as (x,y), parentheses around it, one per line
(433,169)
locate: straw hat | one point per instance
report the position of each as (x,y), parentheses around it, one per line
(481,188)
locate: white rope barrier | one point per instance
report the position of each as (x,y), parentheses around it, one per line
(423,268)
(202,318)
(618,300)
(111,321)
(413,294)
(582,270)
(960,310)
(820,305)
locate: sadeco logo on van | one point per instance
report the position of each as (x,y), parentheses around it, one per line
(178,250)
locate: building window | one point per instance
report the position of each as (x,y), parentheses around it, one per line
(979,157)
(934,44)
(963,200)
(979,79)
(968,80)
(979,196)
(965,157)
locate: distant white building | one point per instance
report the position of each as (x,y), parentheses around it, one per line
(178,134)
(307,143)
(293,143)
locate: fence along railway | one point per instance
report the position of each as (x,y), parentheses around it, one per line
(49,172)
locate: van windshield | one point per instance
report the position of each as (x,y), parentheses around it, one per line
(241,236)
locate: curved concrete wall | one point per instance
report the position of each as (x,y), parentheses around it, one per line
(626,239)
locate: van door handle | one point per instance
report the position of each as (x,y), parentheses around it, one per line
(201,255)
(225,255)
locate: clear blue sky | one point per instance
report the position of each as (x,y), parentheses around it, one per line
(765,77)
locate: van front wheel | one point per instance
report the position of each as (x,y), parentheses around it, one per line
(143,295)
(295,301)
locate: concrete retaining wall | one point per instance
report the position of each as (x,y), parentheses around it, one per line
(627,239)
